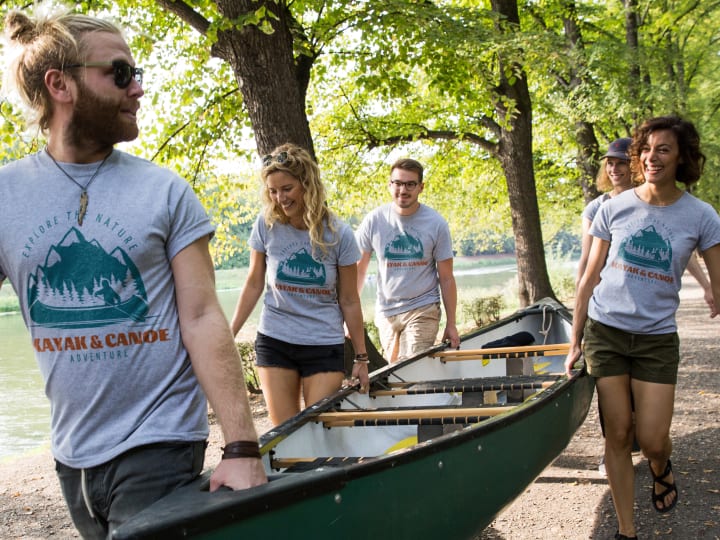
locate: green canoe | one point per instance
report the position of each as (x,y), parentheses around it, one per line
(444,442)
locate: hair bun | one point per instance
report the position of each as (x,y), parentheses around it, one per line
(19,27)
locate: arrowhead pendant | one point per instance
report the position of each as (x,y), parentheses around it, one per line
(83,207)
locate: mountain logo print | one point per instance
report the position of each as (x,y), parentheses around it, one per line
(83,286)
(300,268)
(647,248)
(404,247)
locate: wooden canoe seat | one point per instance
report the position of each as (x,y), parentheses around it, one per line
(409,416)
(481,384)
(295,464)
(524,351)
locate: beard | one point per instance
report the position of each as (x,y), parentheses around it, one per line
(97,121)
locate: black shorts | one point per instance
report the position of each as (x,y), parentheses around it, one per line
(305,359)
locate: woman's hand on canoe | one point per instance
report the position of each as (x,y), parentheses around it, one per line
(360,373)
(573,356)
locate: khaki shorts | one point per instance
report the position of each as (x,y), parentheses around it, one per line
(406,334)
(646,357)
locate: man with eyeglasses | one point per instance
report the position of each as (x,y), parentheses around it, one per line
(109,256)
(415,267)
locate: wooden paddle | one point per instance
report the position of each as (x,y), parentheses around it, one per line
(413,416)
(553,349)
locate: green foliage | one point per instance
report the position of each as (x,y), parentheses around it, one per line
(484,310)
(247,357)
(400,78)
(561,269)
(373,334)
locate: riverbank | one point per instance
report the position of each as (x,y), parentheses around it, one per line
(570,500)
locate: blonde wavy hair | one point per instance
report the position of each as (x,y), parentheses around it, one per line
(47,41)
(604,183)
(317,217)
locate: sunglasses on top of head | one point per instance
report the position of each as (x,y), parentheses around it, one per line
(124,73)
(269,159)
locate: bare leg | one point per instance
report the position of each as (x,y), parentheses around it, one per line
(654,405)
(321,385)
(281,390)
(614,399)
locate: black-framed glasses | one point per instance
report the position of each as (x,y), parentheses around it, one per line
(124,72)
(269,159)
(407,185)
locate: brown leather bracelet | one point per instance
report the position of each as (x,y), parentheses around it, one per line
(241,449)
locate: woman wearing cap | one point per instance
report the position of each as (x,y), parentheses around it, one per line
(624,318)
(613,178)
(310,260)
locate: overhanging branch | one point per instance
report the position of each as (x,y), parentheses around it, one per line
(186,13)
(429,134)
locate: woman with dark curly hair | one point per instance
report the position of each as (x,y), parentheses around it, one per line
(624,320)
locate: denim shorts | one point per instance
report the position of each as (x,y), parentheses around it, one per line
(610,351)
(307,360)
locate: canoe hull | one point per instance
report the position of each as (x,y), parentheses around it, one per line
(450,487)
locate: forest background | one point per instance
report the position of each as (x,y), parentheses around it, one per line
(510,105)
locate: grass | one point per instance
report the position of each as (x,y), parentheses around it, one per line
(8,299)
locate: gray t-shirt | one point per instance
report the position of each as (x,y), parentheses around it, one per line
(408,249)
(649,249)
(301,301)
(99,300)
(593,206)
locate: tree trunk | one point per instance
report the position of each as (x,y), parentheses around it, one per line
(587,155)
(272,81)
(515,154)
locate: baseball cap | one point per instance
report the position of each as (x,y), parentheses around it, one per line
(619,149)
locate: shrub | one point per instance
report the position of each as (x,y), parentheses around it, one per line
(373,334)
(484,310)
(247,357)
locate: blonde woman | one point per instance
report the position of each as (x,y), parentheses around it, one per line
(308,258)
(613,178)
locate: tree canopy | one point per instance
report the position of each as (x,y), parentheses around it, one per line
(360,83)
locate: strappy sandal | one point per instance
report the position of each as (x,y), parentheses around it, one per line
(670,487)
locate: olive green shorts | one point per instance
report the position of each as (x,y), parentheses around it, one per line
(646,357)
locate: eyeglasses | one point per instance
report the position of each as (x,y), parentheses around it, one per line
(124,72)
(280,157)
(407,185)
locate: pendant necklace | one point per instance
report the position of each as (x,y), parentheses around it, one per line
(82,209)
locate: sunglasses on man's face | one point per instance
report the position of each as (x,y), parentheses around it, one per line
(124,73)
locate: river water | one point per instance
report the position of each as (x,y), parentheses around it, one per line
(25,411)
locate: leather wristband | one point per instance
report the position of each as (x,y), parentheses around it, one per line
(241,449)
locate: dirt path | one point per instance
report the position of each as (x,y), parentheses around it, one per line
(570,500)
